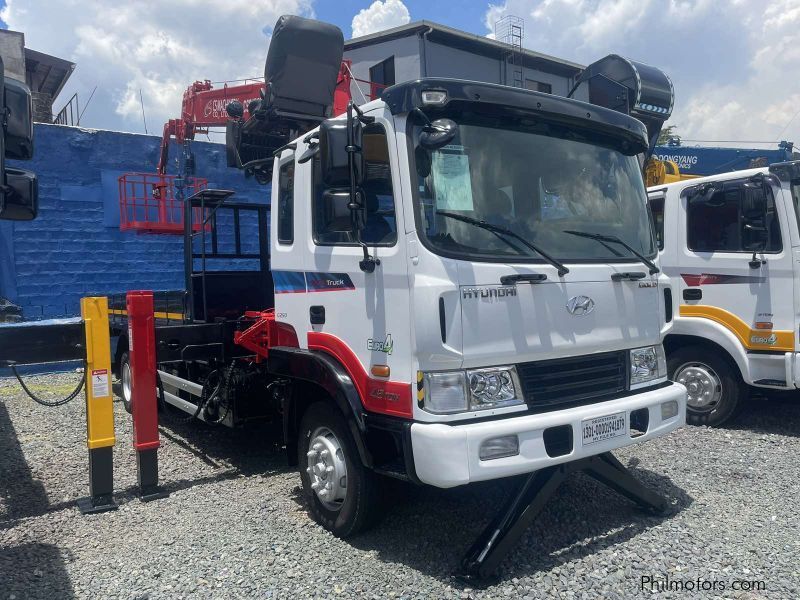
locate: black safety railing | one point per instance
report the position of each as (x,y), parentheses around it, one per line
(70,114)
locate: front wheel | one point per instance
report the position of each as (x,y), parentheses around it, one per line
(341,493)
(715,391)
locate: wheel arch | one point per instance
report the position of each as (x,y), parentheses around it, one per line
(711,335)
(314,374)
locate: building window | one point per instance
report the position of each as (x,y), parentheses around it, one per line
(381,76)
(538,86)
(286,203)
(380,227)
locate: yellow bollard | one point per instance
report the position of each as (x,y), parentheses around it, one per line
(99,407)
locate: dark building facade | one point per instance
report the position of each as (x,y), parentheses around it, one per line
(426,49)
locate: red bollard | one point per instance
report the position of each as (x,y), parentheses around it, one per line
(144,397)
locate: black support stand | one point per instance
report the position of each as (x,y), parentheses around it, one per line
(479,565)
(147,467)
(101,482)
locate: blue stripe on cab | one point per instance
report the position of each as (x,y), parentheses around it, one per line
(289,282)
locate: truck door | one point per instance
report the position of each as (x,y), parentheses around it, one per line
(363,318)
(718,279)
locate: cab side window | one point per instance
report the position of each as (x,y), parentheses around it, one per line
(380,228)
(286,203)
(724,220)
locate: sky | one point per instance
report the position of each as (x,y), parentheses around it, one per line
(733,62)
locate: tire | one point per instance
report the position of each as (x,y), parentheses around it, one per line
(343,512)
(125,380)
(716,390)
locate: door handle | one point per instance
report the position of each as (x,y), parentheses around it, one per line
(692,294)
(317,315)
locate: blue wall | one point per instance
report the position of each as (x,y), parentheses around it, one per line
(75,248)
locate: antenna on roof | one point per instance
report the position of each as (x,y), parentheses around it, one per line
(141,101)
(511,30)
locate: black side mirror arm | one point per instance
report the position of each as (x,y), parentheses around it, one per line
(369,262)
(755,262)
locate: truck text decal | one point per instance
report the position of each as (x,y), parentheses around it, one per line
(300,282)
(503,291)
(381,346)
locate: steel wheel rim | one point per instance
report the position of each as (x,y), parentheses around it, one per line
(126,382)
(703,385)
(326,468)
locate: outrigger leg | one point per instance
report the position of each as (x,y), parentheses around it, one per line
(480,563)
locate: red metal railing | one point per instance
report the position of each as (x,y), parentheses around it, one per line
(148,203)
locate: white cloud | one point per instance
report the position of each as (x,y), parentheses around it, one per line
(158,48)
(733,66)
(380,15)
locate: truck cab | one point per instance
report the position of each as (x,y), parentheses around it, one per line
(729,244)
(491,291)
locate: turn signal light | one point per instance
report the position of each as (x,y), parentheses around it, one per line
(763,324)
(380,370)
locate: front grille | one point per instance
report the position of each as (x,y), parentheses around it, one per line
(573,380)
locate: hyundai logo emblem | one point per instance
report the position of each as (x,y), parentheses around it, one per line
(580,305)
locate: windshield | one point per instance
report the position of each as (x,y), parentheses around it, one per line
(538,182)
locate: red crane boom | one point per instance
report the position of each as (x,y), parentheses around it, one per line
(204,107)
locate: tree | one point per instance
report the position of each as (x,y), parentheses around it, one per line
(667,134)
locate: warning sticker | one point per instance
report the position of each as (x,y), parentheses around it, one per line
(100,383)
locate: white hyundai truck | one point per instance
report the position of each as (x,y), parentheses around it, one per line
(730,244)
(461,285)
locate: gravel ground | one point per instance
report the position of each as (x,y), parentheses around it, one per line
(234,525)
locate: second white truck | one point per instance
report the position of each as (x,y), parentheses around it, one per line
(730,244)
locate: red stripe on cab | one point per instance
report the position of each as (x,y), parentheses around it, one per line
(380,396)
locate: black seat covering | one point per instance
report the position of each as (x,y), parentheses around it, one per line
(302,66)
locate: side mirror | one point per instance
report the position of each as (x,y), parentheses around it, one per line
(334,156)
(337,215)
(232,140)
(754,218)
(21,200)
(438,134)
(754,231)
(19,121)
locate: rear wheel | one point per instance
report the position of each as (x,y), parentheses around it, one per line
(715,391)
(125,378)
(341,493)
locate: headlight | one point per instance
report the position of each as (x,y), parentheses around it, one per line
(445,392)
(492,388)
(648,363)
(475,389)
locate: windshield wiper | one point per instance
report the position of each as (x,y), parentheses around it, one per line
(615,240)
(562,270)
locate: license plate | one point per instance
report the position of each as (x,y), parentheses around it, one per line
(603,428)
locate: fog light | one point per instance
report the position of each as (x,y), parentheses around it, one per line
(669,409)
(499,447)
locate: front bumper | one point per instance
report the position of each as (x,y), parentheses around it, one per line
(447,455)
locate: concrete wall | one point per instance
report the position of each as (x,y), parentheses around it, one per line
(75,248)
(12,49)
(406,61)
(442,60)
